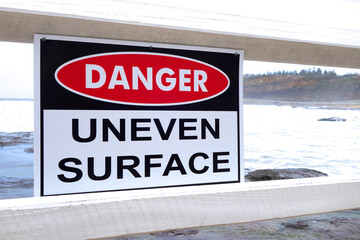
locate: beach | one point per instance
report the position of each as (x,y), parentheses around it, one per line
(338,225)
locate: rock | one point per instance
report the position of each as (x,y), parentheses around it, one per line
(333,119)
(286,173)
(339,221)
(29,150)
(296,225)
(12,182)
(173,233)
(15,138)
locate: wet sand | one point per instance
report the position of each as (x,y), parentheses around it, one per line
(337,225)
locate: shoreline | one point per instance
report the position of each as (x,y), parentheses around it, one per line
(342,105)
(339,105)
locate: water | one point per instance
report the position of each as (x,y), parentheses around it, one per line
(283,137)
(275,137)
(16,115)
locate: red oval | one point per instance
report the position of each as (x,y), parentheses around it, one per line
(166,79)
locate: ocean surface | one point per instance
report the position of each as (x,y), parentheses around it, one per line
(274,137)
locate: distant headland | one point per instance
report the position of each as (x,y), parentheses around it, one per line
(311,87)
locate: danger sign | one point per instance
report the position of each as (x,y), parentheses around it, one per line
(115,115)
(161,79)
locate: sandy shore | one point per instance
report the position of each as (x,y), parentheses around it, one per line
(337,225)
(354,105)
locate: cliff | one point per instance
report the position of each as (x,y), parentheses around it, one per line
(303,87)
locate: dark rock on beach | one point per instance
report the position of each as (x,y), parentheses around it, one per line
(332,119)
(29,150)
(286,173)
(296,225)
(13,182)
(15,138)
(174,233)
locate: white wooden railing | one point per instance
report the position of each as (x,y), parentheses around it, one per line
(87,216)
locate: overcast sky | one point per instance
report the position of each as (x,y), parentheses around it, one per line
(16,71)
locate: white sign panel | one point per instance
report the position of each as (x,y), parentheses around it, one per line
(116,115)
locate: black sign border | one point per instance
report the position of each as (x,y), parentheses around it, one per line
(42,103)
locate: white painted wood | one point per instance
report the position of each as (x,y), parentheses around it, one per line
(89,216)
(122,213)
(157,21)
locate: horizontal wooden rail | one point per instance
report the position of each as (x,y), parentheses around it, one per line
(89,216)
(261,40)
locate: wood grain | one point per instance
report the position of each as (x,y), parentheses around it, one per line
(261,39)
(91,216)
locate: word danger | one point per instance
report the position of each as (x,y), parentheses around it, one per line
(187,78)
